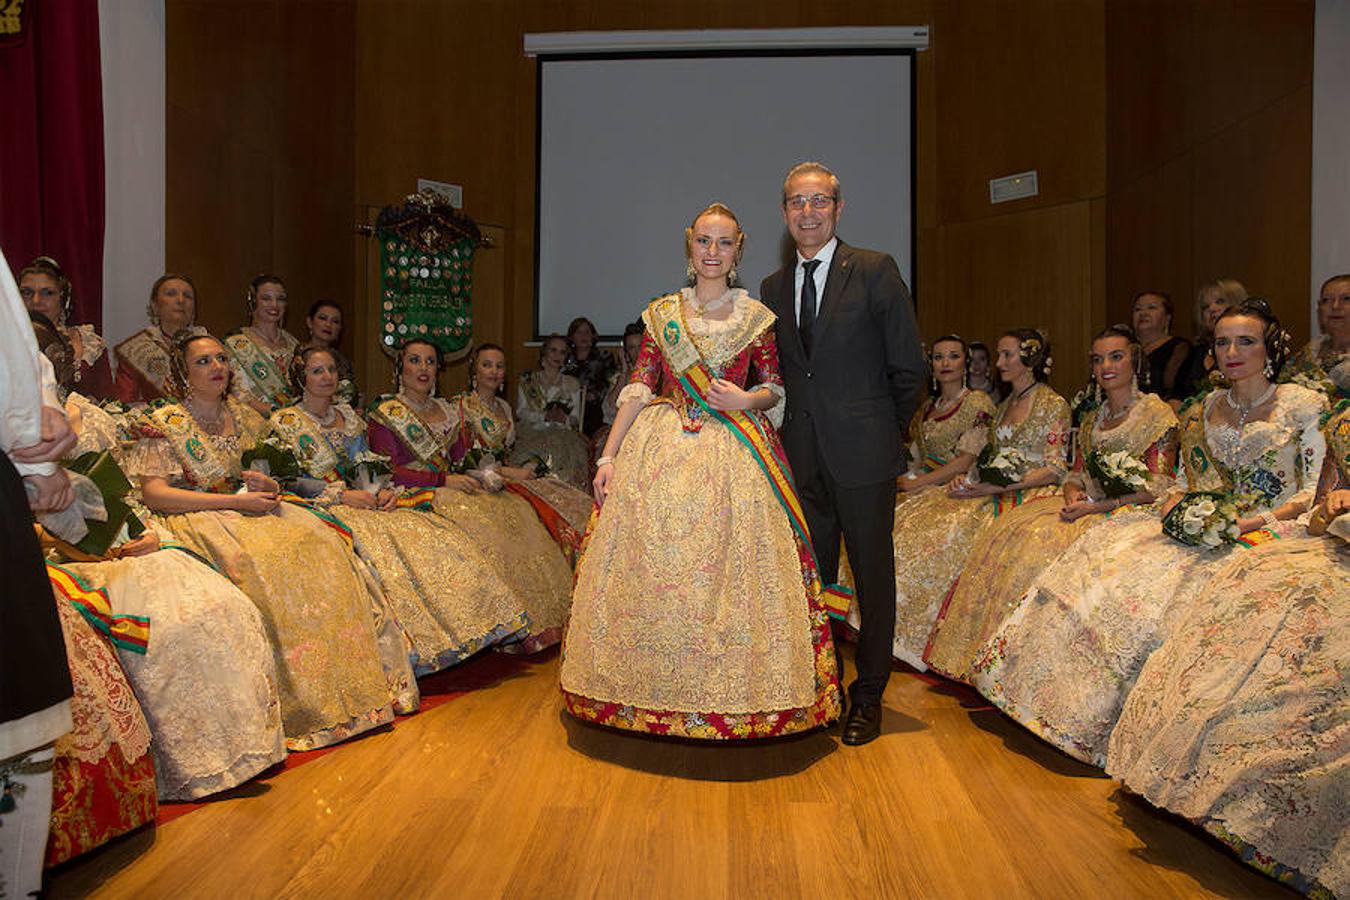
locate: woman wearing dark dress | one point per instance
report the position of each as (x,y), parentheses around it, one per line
(591,366)
(1152,319)
(1210,301)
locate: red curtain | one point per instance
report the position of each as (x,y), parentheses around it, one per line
(51,146)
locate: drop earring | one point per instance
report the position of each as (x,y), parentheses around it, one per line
(1269,370)
(689,274)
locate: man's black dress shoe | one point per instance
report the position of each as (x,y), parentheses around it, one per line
(863,725)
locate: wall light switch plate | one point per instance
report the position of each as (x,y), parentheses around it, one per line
(1013,187)
(453,193)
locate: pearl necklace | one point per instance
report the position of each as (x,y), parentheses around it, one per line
(941,404)
(324,421)
(206,423)
(419,406)
(702,309)
(1245,409)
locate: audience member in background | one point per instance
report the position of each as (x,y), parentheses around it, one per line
(1312,365)
(1197,373)
(979,377)
(324,323)
(1166,353)
(593,367)
(46,289)
(632,343)
(548,417)
(145,359)
(295,566)
(262,350)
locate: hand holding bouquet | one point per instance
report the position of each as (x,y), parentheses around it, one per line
(274,457)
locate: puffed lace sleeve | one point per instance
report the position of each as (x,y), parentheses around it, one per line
(1305,413)
(96,429)
(764,367)
(1161,460)
(1055,448)
(646,377)
(974,439)
(152,457)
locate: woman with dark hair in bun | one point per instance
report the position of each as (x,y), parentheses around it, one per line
(324,321)
(1025,457)
(1012,551)
(45,289)
(335,678)
(262,350)
(1064,660)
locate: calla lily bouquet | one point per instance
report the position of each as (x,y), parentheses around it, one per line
(370,471)
(272,456)
(484,467)
(1204,519)
(1118,473)
(1002,466)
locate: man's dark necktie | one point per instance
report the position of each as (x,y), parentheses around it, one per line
(806,317)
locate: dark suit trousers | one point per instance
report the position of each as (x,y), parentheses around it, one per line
(864,516)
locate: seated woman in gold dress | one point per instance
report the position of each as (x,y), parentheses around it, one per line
(145,358)
(444,590)
(417,431)
(951,425)
(261,352)
(336,678)
(1063,662)
(1125,454)
(549,407)
(1238,721)
(698,612)
(45,288)
(1025,458)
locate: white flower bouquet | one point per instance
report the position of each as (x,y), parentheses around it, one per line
(1204,519)
(1002,466)
(1118,473)
(370,471)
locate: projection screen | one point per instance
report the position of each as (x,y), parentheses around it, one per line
(632,146)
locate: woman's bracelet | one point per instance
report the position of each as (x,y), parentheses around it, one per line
(1270,519)
(604,461)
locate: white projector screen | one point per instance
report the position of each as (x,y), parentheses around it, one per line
(631,147)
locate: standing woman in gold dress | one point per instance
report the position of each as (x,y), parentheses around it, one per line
(697,611)
(445,593)
(145,358)
(1025,458)
(295,566)
(1019,544)
(261,352)
(418,431)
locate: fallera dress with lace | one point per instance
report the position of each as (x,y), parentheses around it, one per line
(697,610)
(1019,544)
(1066,658)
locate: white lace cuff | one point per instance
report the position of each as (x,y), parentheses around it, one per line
(635,391)
(775,412)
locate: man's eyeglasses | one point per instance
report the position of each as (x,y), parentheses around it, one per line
(817,201)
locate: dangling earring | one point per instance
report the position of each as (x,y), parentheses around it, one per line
(1269,370)
(1097,391)
(934,382)
(732,276)
(689,274)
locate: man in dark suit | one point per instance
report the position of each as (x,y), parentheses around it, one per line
(852,366)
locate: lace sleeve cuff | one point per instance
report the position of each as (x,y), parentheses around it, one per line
(775,413)
(152,458)
(637,390)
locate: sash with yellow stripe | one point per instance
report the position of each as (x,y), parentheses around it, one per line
(415,434)
(696,378)
(260,370)
(128,632)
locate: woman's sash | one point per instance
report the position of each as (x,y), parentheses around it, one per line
(127,632)
(148,360)
(314,451)
(204,466)
(414,433)
(259,368)
(696,378)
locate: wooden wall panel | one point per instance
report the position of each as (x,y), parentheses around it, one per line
(1149,242)
(1033,269)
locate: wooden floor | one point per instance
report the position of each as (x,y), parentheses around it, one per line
(499,794)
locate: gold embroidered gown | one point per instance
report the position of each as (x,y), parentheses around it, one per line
(1066,658)
(502,526)
(1019,544)
(560,444)
(1238,721)
(697,611)
(935,532)
(321,612)
(445,593)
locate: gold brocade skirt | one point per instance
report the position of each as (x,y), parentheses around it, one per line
(317,610)
(519,552)
(690,595)
(448,599)
(933,536)
(1005,559)
(566,452)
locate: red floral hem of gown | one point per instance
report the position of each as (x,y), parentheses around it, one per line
(94,803)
